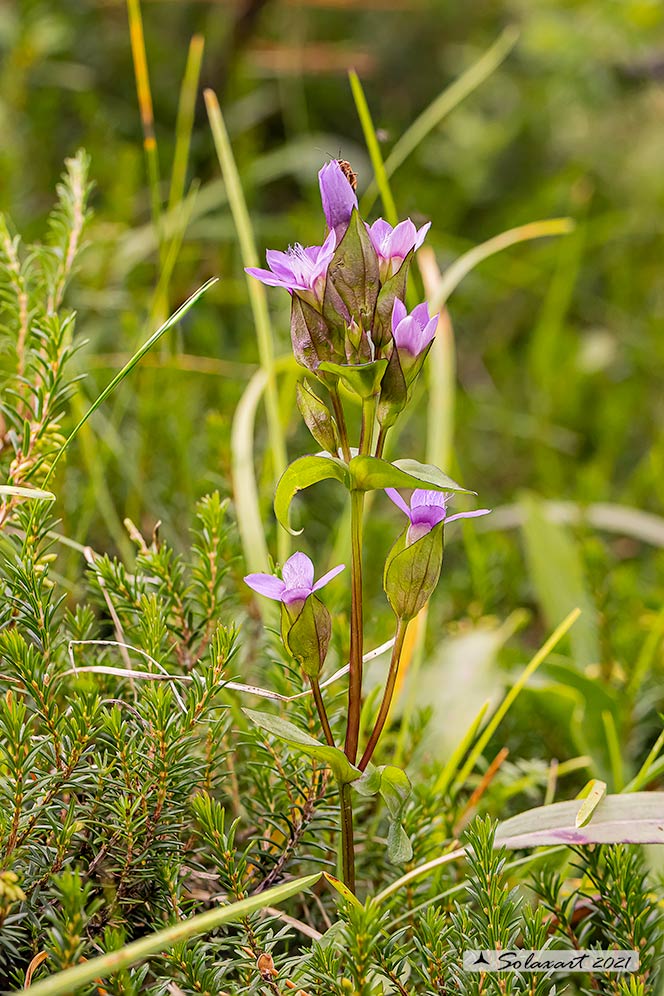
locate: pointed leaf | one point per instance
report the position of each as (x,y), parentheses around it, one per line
(395,788)
(370,474)
(332,757)
(343,890)
(302,473)
(19,492)
(597,791)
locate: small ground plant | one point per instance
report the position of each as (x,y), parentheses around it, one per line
(153,827)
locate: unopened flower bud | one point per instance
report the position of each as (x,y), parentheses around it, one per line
(318,419)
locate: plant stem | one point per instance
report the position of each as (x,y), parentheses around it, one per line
(322,712)
(383,712)
(356,636)
(347,842)
(341,421)
(380,445)
(366,432)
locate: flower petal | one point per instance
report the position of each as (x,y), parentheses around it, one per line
(328,577)
(468,515)
(266,277)
(336,194)
(394,496)
(266,584)
(424,496)
(402,239)
(421,235)
(298,572)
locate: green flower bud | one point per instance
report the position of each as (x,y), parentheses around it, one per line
(306,627)
(412,570)
(318,418)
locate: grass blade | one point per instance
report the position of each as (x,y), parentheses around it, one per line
(185,120)
(505,705)
(450,98)
(380,174)
(144,95)
(257,298)
(128,367)
(66,982)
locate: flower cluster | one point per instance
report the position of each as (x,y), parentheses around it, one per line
(348,297)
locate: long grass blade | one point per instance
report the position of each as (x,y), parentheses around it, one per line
(127,368)
(450,98)
(185,120)
(257,297)
(68,981)
(144,95)
(371,139)
(511,696)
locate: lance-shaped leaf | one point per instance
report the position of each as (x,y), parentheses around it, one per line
(412,572)
(14,490)
(381,332)
(301,474)
(632,818)
(361,378)
(318,418)
(292,735)
(353,281)
(370,474)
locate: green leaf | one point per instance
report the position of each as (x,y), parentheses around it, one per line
(399,847)
(361,378)
(634,818)
(371,474)
(64,983)
(308,636)
(395,789)
(595,794)
(369,784)
(301,474)
(343,890)
(352,277)
(334,758)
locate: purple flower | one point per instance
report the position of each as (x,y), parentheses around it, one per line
(393,244)
(412,332)
(298,269)
(427,509)
(338,197)
(296,582)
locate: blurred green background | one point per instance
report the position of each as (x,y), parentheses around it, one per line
(560,352)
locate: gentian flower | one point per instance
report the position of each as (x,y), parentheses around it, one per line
(296,582)
(412,333)
(299,269)
(337,196)
(427,509)
(393,244)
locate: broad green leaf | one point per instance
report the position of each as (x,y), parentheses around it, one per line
(301,474)
(634,818)
(64,983)
(36,493)
(369,784)
(334,758)
(370,474)
(361,378)
(595,794)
